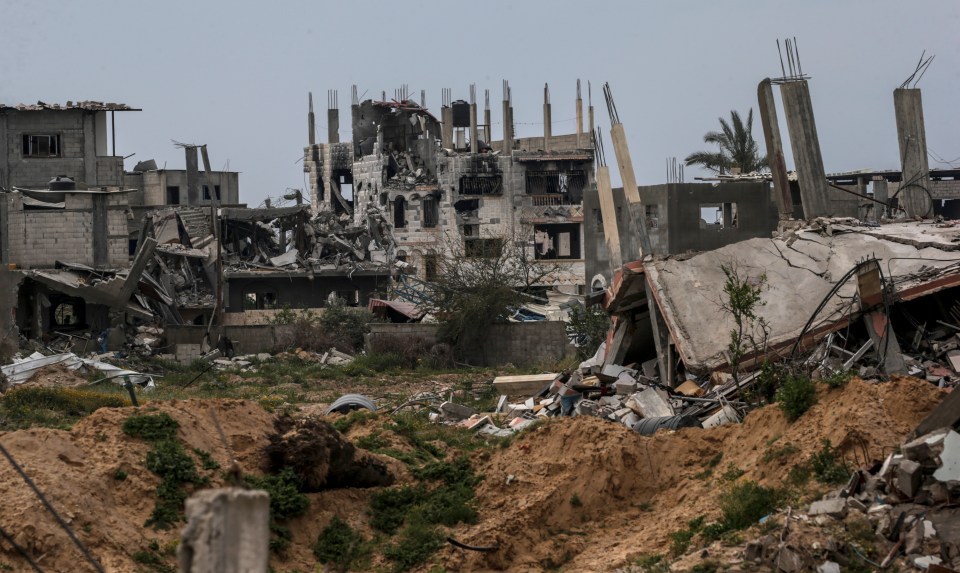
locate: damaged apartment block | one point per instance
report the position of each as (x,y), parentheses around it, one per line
(441,179)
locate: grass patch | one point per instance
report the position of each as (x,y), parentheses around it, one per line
(838,379)
(417,542)
(780,453)
(680,540)
(828,466)
(344,423)
(206,460)
(443,496)
(797,394)
(744,503)
(286,501)
(169,460)
(342,546)
(31,406)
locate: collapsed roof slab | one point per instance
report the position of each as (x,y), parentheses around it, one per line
(801,269)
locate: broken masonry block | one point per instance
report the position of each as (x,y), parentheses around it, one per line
(625,387)
(909,477)
(836,508)
(455,412)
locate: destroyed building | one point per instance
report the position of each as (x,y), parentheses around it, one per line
(443,179)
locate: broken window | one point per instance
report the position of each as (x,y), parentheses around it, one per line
(41,145)
(265,299)
(401,256)
(652,215)
(491,184)
(430,263)
(431,212)
(67,312)
(559,241)
(399,213)
(206,192)
(489,248)
(718,216)
(173,194)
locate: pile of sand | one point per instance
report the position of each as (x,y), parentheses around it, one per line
(633,490)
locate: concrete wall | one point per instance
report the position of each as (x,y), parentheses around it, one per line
(82,149)
(303,291)
(38,238)
(757,215)
(152,186)
(247,339)
(517,343)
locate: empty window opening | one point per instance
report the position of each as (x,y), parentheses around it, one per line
(718,216)
(558,187)
(206,192)
(41,145)
(345,297)
(132,247)
(481,184)
(489,248)
(401,256)
(560,241)
(430,264)
(399,213)
(653,216)
(260,300)
(431,212)
(173,195)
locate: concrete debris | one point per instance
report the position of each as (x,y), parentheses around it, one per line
(23,369)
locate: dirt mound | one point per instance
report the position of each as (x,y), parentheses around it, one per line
(55,375)
(587,494)
(94,476)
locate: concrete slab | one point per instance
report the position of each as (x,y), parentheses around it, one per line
(800,271)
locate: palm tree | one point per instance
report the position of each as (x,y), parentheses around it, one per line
(738,149)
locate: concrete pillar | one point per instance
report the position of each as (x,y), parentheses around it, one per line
(630,189)
(89,175)
(608,212)
(446,129)
(311,121)
(101,231)
(547,119)
(805,144)
(474,147)
(507,128)
(227,531)
(912,137)
(333,125)
(193,175)
(771,135)
(579,117)
(487,130)
(880,193)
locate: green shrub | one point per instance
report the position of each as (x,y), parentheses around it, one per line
(347,326)
(796,396)
(744,503)
(151,427)
(342,546)
(838,379)
(589,326)
(389,507)
(27,406)
(286,501)
(415,544)
(827,466)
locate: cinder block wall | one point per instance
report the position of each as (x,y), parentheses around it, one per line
(518,343)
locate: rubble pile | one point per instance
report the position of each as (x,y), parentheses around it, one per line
(409,171)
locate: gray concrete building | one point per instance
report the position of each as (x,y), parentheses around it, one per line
(443,187)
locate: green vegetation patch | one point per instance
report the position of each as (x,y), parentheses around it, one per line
(286,501)
(342,546)
(30,406)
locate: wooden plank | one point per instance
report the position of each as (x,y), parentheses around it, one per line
(524,385)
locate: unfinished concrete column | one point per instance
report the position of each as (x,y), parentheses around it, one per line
(608,213)
(771,135)
(547,119)
(311,121)
(805,144)
(487,130)
(193,175)
(333,117)
(227,531)
(912,137)
(473,120)
(880,193)
(579,117)
(446,119)
(507,120)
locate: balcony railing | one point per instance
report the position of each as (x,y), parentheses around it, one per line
(550,200)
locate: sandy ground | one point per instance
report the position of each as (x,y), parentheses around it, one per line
(633,490)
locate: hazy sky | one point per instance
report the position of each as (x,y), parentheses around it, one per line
(235,75)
